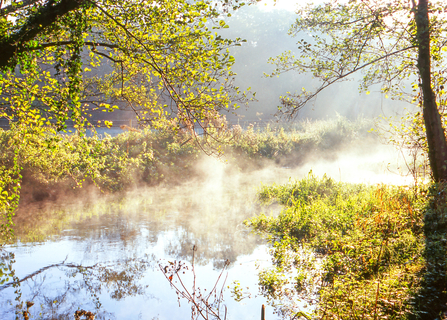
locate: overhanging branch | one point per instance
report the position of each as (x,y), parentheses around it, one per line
(36,24)
(311,96)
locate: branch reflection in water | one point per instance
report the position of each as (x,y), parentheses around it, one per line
(98,253)
(55,299)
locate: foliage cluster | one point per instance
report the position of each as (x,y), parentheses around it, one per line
(63,59)
(291,144)
(112,163)
(361,252)
(151,157)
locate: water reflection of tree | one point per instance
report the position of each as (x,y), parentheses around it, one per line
(211,221)
(81,289)
(7,260)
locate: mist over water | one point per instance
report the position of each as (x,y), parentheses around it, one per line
(105,252)
(120,240)
(369,164)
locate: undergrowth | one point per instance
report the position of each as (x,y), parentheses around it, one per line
(291,144)
(60,162)
(356,251)
(112,163)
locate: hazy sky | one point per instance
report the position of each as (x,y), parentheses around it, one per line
(280,4)
(265,28)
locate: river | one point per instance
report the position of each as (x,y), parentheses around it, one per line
(107,254)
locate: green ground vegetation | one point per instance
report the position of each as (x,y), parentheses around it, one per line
(112,163)
(292,143)
(151,157)
(353,251)
(43,164)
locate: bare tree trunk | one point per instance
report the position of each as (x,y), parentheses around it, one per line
(437,146)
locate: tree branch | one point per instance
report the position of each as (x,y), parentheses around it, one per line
(56,265)
(36,24)
(64,43)
(298,106)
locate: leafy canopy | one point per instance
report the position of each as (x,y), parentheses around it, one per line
(146,55)
(61,59)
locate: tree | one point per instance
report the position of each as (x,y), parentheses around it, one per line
(160,57)
(392,43)
(152,49)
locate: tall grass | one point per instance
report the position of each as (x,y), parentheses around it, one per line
(373,251)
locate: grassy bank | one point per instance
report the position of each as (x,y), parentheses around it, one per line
(355,251)
(36,164)
(58,163)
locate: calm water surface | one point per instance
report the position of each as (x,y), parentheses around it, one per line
(105,254)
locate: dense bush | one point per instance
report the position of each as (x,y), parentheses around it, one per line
(291,144)
(112,163)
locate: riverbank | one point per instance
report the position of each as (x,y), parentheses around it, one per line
(356,251)
(56,165)
(351,250)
